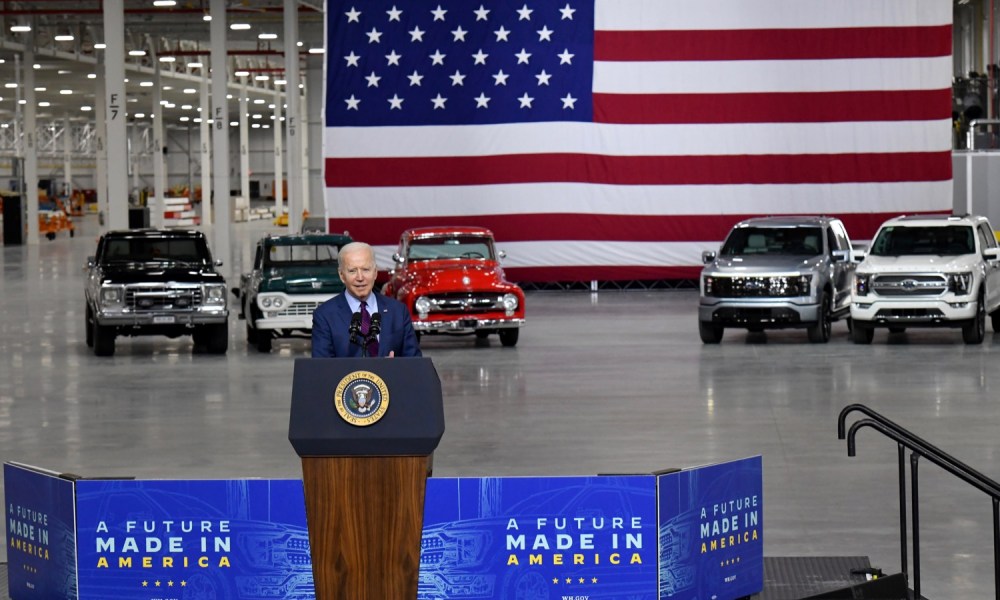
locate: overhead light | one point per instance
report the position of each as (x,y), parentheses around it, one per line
(164,3)
(185,119)
(186,107)
(36,66)
(167,88)
(258,101)
(20,28)
(280,82)
(145,84)
(100,46)
(45,104)
(197,119)
(167,59)
(240,26)
(255,126)
(140,115)
(316,51)
(137,53)
(267,36)
(40,89)
(206,17)
(262,77)
(194,65)
(65,92)
(10,85)
(60,71)
(65,37)
(91,75)
(190,91)
(86,108)
(241,73)
(299,44)
(234,124)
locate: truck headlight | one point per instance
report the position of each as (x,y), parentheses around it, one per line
(271,301)
(960,284)
(112,294)
(422,306)
(804,282)
(862,284)
(215,294)
(510,303)
(708,283)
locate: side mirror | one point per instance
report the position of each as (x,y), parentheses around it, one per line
(708,256)
(841,255)
(859,255)
(218,262)
(397,258)
(91,262)
(502,254)
(991,253)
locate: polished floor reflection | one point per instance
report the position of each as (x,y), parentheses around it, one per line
(616,382)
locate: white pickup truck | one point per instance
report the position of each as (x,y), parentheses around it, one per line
(928,271)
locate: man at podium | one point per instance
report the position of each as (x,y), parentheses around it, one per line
(361,322)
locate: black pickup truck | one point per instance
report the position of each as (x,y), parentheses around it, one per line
(155,282)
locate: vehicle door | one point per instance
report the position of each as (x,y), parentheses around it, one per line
(843,270)
(987,240)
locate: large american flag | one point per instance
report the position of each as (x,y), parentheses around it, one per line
(617,139)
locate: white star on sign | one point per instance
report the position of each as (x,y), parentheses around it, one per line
(502,34)
(395,102)
(437,58)
(438,102)
(457,79)
(459,34)
(352,15)
(374,36)
(415,78)
(352,59)
(526,100)
(393,58)
(438,13)
(523,56)
(481,13)
(373,79)
(394,13)
(567,12)
(482,101)
(525,13)
(479,57)
(545,34)
(352,102)
(543,78)
(416,35)
(500,77)
(568,102)
(565,58)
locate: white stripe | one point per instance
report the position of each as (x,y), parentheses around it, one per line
(577,198)
(638,15)
(761,76)
(639,140)
(573,253)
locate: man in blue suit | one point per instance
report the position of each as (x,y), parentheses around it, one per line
(331,331)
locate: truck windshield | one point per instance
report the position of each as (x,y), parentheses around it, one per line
(303,254)
(157,250)
(787,241)
(450,247)
(904,240)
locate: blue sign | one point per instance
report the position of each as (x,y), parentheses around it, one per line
(174,540)
(711,531)
(539,537)
(41,534)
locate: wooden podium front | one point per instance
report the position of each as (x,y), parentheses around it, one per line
(364,467)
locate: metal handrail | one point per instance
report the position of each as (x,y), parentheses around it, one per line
(918,447)
(970,135)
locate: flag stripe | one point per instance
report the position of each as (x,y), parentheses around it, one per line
(783,107)
(650,139)
(767,76)
(704,15)
(638,170)
(773,44)
(591,227)
(477,202)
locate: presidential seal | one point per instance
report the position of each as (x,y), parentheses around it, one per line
(361,398)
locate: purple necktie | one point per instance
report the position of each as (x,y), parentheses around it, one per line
(366,324)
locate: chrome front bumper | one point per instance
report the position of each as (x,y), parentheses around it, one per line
(467,325)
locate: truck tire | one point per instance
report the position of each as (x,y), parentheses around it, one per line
(104,340)
(862,332)
(216,338)
(88,328)
(974,331)
(264,339)
(508,337)
(819,332)
(710,332)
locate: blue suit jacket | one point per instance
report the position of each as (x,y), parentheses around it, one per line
(332,324)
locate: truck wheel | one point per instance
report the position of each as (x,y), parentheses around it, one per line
(508,337)
(974,331)
(216,338)
(710,332)
(264,339)
(862,333)
(87,327)
(251,334)
(995,321)
(819,333)
(104,340)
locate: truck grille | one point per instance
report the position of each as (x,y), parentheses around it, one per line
(162,297)
(465,303)
(299,309)
(758,287)
(910,285)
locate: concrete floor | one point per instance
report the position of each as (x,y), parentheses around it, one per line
(605,383)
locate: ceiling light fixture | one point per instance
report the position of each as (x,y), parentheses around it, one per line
(190,91)
(317,50)
(20,28)
(262,77)
(64,37)
(137,53)
(100,46)
(195,65)
(240,26)
(206,17)
(86,108)
(241,74)
(65,92)
(164,3)
(91,75)
(167,59)
(268,36)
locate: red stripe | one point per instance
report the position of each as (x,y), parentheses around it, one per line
(596,273)
(571,227)
(638,170)
(773,44)
(791,107)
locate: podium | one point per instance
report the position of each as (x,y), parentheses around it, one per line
(364,428)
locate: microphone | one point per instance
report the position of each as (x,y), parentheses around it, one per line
(355,328)
(376,326)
